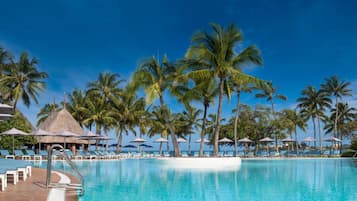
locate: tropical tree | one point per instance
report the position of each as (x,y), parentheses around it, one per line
(213,55)
(129,114)
(313,103)
(294,121)
(157,124)
(270,93)
(190,122)
(76,104)
(156,78)
(106,86)
(46,111)
(337,89)
(23,80)
(346,115)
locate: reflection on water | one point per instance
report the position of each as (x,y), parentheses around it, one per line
(256,180)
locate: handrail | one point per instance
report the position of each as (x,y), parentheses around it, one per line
(354,156)
(71,164)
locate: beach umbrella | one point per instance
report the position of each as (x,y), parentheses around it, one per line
(181,140)
(266,140)
(161,140)
(145,146)
(288,140)
(14,132)
(225,140)
(138,140)
(309,139)
(39,133)
(333,140)
(199,141)
(104,138)
(130,146)
(89,136)
(65,134)
(245,141)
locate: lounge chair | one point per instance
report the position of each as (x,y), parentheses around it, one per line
(220,154)
(19,153)
(195,154)
(44,154)
(33,155)
(229,154)
(184,154)
(250,154)
(166,154)
(206,154)
(6,154)
(157,154)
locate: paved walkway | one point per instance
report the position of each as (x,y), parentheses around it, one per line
(32,189)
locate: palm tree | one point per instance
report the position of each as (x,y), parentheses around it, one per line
(294,120)
(23,80)
(156,78)
(106,86)
(270,93)
(157,125)
(338,89)
(313,103)
(214,56)
(129,113)
(346,114)
(46,111)
(190,119)
(76,103)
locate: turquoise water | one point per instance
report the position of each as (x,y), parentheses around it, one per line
(256,180)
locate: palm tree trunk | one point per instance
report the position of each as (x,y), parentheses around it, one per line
(236,120)
(314,125)
(318,124)
(336,119)
(171,129)
(189,143)
(160,148)
(276,136)
(296,142)
(120,141)
(203,129)
(218,120)
(97,130)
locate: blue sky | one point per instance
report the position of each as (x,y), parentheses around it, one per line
(302,42)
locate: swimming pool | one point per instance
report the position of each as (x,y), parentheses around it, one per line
(269,180)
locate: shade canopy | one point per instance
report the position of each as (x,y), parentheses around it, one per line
(266,139)
(129,146)
(199,141)
(332,139)
(288,140)
(146,146)
(309,139)
(14,131)
(161,140)
(245,140)
(225,140)
(40,132)
(102,138)
(181,140)
(138,140)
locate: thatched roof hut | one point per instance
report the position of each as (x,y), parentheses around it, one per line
(58,122)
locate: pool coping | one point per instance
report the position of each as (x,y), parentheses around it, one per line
(59,194)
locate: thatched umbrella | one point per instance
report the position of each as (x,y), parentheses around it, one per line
(138,140)
(4,117)
(267,140)
(40,133)
(14,132)
(65,134)
(161,140)
(89,136)
(105,138)
(224,141)
(245,141)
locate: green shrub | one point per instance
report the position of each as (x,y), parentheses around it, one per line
(354,145)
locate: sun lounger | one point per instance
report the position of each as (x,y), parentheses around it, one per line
(157,154)
(195,154)
(184,154)
(229,154)
(6,154)
(33,155)
(166,154)
(19,153)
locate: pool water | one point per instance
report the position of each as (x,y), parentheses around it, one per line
(255,180)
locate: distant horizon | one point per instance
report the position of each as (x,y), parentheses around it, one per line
(302,43)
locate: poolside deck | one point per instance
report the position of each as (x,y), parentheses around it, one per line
(32,189)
